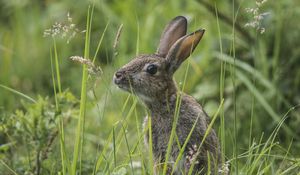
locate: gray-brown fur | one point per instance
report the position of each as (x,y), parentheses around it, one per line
(150,77)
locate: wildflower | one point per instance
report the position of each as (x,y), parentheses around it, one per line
(92,69)
(66,30)
(192,155)
(225,168)
(257,16)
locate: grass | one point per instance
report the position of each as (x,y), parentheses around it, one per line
(255,110)
(80,127)
(18,93)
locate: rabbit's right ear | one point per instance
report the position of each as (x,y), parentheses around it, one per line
(182,49)
(173,31)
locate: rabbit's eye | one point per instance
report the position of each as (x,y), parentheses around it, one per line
(152,69)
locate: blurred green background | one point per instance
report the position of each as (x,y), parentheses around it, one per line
(260,59)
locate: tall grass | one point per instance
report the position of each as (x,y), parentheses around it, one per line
(80,127)
(249,113)
(222,84)
(18,93)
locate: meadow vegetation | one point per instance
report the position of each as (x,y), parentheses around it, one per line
(65,116)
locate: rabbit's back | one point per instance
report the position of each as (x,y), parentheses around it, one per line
(190,112)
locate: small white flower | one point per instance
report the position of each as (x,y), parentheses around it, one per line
(257,16)
(66,30)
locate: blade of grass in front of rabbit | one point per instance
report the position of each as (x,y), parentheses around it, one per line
(222,84)
(99,159)
(104,150)
(120,135)
(80,125)
(184,145)
(207,132)
(174,124)
(105,82)
(128,148)
(177,141)
(150,143)
(140,136)
(139,143)
(100,42)
(208,163)
(125,104)
(176,115)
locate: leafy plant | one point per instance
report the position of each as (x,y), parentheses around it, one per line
(30,132)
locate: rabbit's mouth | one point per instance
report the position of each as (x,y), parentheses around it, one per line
(121,83)
(123,87)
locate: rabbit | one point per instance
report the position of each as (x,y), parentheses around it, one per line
(150,77)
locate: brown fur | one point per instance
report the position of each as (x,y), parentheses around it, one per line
(159,93)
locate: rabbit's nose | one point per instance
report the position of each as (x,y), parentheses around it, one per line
(118,75)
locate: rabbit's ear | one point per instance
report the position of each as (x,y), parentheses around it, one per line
(182,49)
(173,31)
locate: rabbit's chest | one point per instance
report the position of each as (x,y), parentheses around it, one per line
(161,131)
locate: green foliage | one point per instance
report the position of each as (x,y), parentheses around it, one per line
(30,132)
(256,74)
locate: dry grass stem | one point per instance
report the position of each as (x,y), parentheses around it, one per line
(117,39)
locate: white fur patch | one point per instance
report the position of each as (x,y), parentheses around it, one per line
(145,98)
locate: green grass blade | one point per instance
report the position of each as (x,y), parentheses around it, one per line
(57,66)
(260,98)
(64,159)
(100,42)
(6,166)
(104,150)
(257,75)
(209,128)
(114,148)
(53,80)
(184,145)
(176,116)
(128,149)
(233,78)
(80,124)
(18,93)
(151,163)
(222,85)
(137,39)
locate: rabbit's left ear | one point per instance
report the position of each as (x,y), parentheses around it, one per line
(182,49)
(173,31)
